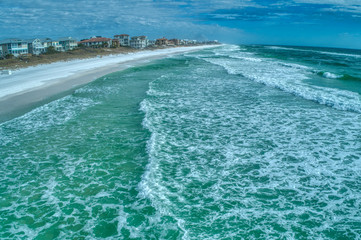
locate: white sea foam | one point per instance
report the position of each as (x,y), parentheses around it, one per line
(34,77)
(294,65)
(315,51)
(331,75)
(227,158)
(280,75)
(243,157)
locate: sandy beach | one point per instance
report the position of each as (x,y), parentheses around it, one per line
(30,87)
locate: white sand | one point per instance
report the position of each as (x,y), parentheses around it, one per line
(28,86)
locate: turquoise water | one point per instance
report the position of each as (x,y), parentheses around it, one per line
(235,142)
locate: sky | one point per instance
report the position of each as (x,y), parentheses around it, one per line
(327,23)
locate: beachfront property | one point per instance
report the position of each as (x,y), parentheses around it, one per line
(96,42)
(123,40)
(188,42)
(47,42)
(57,46)
(161,41)
(36,46)
(115,43)
(14,47)
(151,43)
(174,41)
(139,42)
(68,43)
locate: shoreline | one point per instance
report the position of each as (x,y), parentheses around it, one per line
(31,87)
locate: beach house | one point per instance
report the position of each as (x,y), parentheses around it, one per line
(36,46)
(123,40)
(68,43)
(174,41)
(57,46)
(14,47)
(96,42)
(46,42)
(139,42)
(161,41)
(115,43)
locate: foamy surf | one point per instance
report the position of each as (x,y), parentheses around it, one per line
(199,146)
(289,77)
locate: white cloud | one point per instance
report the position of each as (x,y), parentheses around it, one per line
(347,6)
(84,18)
(333,2)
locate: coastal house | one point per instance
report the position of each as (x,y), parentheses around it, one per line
(182,42)
(14,46)
(151,42)
(115,43)
(161,41)
(1,52)
(68,43)
(36,46)
(174,41)
(139,42)
(187,42)
(46,42)
(57,46)
(123,39)
(97,42)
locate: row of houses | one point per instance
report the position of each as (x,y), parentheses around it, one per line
(38,46)
(35,46)
(139,42)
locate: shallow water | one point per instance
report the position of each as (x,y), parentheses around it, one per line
(237,142)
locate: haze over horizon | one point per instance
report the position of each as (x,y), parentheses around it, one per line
(325,23)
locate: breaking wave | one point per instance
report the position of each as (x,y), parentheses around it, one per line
(288,77)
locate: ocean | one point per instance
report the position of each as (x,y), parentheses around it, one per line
(232,142)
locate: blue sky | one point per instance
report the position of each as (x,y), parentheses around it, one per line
(288,22)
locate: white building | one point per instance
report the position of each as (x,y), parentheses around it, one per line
(68,43)
(57,46)
(151,43)
(139,42)
(36,46)
(123,40)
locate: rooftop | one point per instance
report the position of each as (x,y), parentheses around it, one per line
(12,40)
(98,39)
(66,39)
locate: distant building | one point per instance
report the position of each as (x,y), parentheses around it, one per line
(161,41)
(97,42)
(57,46)
(115,43)
(14,46)
(139,42)
(36,46)
(151,43)
(174,42)
(68,43)
(46,42)
(124,40)
(1,52)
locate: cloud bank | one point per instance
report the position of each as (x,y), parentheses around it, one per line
(258,21)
